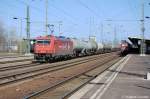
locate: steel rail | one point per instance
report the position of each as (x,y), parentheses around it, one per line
(63,81)
(45,70)
(93,77)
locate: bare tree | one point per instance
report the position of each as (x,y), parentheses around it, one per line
(2,31)
(2,37)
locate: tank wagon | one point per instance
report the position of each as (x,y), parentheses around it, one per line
(51,47)
(81,47)
(102,48)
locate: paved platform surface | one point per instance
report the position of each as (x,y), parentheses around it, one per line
(5,54)
(15,58)
(125,80)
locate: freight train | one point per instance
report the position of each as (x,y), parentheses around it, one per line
(47,48)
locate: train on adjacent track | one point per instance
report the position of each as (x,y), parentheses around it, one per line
(124,47)
(47,48)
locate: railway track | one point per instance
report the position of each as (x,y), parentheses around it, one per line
(25,65)
(22,73)
(43,69)
(89,76)
(43,92)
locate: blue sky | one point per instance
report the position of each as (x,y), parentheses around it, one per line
(80,18)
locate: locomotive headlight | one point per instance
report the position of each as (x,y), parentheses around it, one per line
(31,42)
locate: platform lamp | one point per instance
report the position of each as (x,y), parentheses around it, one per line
(142,30)
(148,74)
(20,19)
(147,17)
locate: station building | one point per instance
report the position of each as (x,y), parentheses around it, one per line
(136,45)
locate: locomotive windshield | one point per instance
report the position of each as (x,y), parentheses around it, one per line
(43,42)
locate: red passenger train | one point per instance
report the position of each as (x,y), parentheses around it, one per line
(125,47)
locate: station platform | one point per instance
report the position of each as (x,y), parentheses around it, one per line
(15,58)
(124,80)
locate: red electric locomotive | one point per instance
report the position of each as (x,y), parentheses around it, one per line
(51,47)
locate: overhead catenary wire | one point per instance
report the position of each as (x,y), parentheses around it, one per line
(49,22)
(33,7)
(39,10)
(63,11)
(10,14)
(89,9)
(122,20)
(131,7)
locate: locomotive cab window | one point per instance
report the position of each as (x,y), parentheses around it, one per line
(43,42)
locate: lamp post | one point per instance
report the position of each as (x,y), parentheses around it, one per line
(28,31)
(114,42)
(20,35)
(46,16)
(142,30)
(20,21)
(102,33)
(121,31)
(60,24)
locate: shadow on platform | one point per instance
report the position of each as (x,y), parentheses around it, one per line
(143,87)
(96,83)
(128,73)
